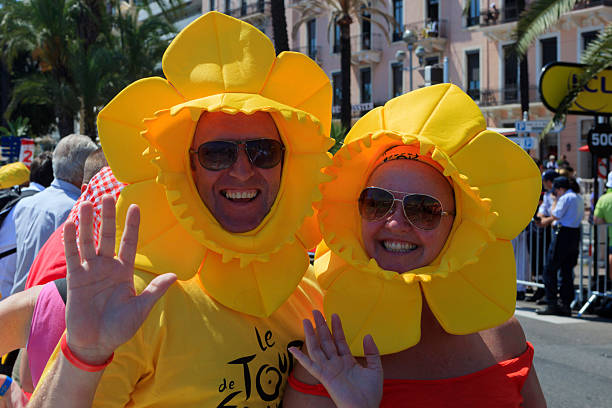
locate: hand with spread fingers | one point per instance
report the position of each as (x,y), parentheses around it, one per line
(103,310)
(330,361)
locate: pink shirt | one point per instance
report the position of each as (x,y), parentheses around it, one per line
(48,325)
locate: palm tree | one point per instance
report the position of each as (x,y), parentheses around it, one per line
(279,26)
(43,29)
(343,13)
(544,14)
(78,73)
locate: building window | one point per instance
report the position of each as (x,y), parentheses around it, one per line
(228,6)
(311,35)
(398,15)
(512,9)
(473,74)
(336,38)
(432,9)
(243,7)
(337,86)
(549,50)
(366,84)
(587,37)
(397,79)
(510,91)
(435,60)
(473,17)
(366,31)
(211,5)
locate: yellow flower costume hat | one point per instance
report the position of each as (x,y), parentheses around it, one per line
(221,64)
(14,174)
(471,285)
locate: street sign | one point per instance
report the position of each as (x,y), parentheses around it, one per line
(11,148)
(27,151)
(525,143)
(595,98)
(535,126)
(602,168)
(600,140)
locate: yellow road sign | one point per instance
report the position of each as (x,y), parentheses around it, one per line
(595,98)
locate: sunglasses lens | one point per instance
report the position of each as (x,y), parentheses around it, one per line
(264,153)
(217,155)
(374,203)
(423,211)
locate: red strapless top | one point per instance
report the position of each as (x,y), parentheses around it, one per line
(496,386)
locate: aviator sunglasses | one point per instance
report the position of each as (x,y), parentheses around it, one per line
(222,154)
(421,210)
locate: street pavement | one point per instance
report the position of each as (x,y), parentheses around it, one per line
(573,357)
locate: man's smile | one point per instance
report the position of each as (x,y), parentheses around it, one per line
(240,196)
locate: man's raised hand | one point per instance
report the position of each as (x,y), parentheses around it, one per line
(103,310)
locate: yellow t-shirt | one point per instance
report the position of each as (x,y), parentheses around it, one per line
(194,352)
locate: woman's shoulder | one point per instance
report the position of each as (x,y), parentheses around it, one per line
(505,341)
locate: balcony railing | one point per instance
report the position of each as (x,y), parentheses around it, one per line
(504,96)
(428,29)
(364,42)
(512,11)
(249,9)
(592,3)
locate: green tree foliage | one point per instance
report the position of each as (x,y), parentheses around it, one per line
(79,54)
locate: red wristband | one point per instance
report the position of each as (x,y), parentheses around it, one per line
(78,363)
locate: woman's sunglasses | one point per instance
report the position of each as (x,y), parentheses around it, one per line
(222,154)
(422,211)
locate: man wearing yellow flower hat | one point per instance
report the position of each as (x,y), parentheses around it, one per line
(224,159)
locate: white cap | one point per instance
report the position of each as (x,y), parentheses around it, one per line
(609,183)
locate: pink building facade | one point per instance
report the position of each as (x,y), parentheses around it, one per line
(474,48)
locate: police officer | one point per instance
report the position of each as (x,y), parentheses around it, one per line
(566,214)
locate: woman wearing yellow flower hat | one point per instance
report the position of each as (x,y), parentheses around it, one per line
(416,255)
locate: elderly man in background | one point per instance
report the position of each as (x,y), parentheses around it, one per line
(38,216)
(41,175)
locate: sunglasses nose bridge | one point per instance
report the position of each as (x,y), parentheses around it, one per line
(242,167)
(396,212)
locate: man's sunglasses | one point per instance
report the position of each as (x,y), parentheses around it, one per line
(422,211)
(222,154)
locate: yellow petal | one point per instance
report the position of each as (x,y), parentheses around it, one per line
(310,88)
(217,54)
(257,287)
(507,175)
(479,296)
(121,122)
(389,310)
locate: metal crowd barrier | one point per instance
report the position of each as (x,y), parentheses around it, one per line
(531,249)
(597,274)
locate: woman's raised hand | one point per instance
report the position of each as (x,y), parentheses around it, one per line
(330,361)
(103,310)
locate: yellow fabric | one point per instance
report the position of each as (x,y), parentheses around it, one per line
(221,64)
(14,174)
(470,286)
(194,352)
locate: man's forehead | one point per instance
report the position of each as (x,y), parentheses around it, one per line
(239,126)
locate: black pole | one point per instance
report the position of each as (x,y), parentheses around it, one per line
(595,235)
